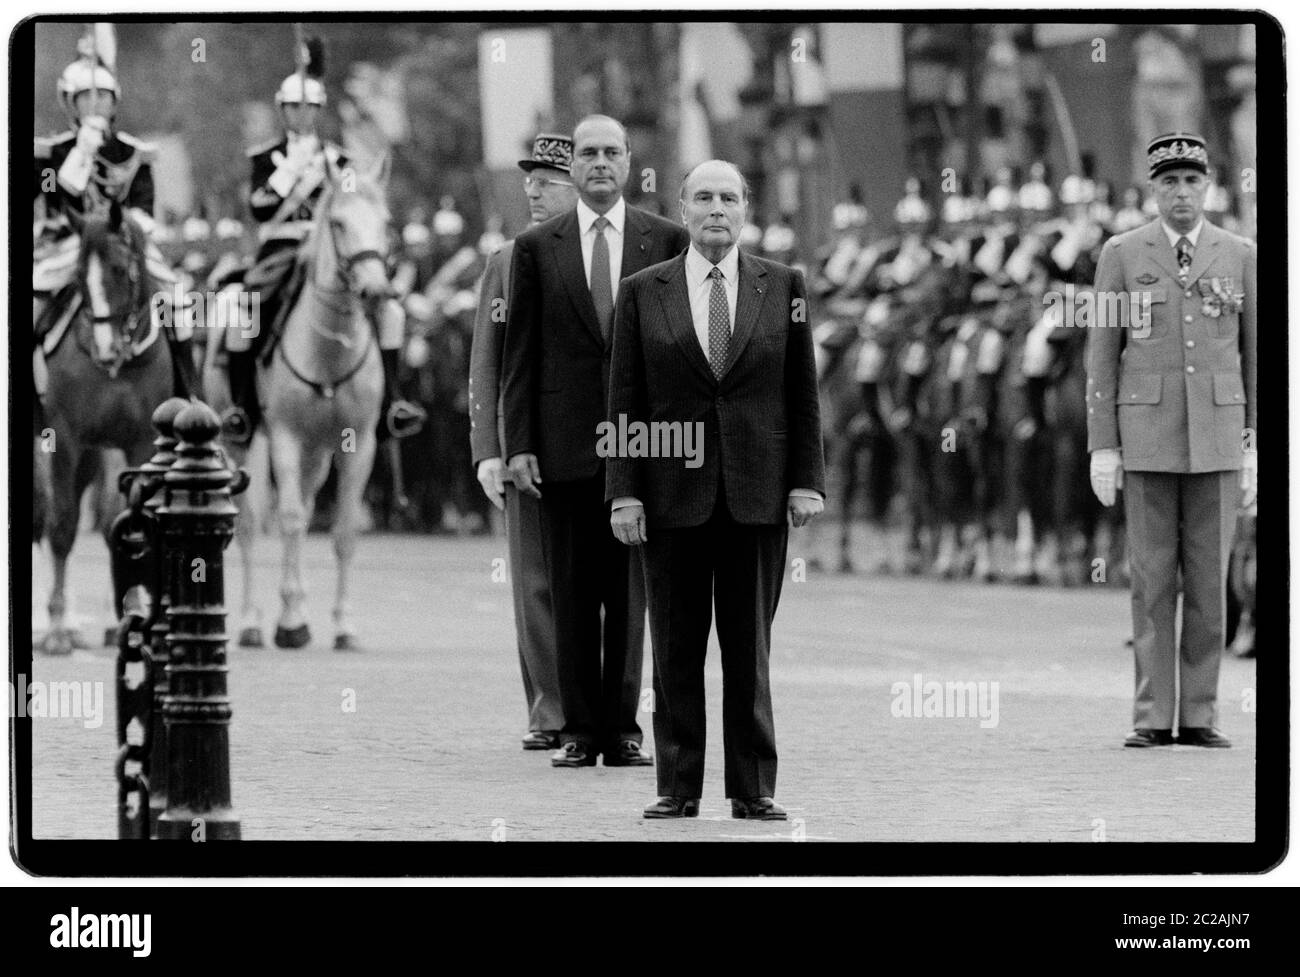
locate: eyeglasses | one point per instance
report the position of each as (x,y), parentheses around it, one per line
(542,182)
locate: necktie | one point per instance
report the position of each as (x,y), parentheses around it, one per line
(602,295)
(1184,250)
(719,323)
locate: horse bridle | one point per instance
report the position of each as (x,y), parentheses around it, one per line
(129,315)
(346,262)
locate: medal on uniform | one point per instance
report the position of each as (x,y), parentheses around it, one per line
(1211,304)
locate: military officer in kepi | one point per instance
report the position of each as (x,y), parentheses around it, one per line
(88,168)
(287,180)
(1171,422)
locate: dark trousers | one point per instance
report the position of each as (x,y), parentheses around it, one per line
(739,570)
(1179,522)
(534,627)
(589,570)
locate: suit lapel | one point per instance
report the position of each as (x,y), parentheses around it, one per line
(636,243)
(1207,249)
(1158,250)
(751,291)
(675,301)
(568,257)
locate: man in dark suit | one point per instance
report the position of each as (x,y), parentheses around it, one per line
(717,340)
(550,193)
(564,277)
(1171,421)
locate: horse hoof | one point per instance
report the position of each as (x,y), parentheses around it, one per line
(56,643)
(346,642)
(292,637)
(251,638)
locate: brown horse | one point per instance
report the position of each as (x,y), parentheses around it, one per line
(106,376)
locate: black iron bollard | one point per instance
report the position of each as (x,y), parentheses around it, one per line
(164,420)
(138,573)
(198,520)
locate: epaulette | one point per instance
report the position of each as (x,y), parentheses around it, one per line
(44,145)
(265,147)
(147,150)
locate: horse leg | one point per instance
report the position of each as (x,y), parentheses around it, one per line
(71,472)
(252,503)
(353,473)
(291,631)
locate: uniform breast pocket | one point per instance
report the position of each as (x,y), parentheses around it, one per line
(1144,312)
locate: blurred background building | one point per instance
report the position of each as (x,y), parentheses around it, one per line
(816,114)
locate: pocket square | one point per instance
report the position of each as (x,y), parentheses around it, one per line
(1146,278)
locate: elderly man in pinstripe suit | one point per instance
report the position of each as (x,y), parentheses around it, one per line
(719,339)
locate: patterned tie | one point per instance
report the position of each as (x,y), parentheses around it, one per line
(719,323)
(1184,250)
(602,295)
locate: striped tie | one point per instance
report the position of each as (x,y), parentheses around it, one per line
(719,323)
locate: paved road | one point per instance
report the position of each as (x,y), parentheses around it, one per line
(431,751)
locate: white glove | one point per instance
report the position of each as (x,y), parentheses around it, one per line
(90,134)
(1107,474)
(1249,478)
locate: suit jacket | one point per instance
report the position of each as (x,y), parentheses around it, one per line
(556,363)
(762,425)
(1177,396)
(485,436)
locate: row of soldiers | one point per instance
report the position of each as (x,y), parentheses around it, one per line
(954,384)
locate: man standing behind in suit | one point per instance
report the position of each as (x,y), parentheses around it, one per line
(720,339)
(1171,421)
(550,193)
(564,278)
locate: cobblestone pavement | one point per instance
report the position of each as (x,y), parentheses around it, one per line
(431,751)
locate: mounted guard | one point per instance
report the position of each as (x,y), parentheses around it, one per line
(80,173)
(288,178)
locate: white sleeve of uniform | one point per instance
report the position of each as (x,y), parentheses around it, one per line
(75,172)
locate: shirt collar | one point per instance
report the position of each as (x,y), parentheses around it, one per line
(615,215)
(698,266)
(1191,235)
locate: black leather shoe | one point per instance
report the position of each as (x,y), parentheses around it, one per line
(573,755)
(537,740)
(756,809)
(1149,737)
(628,754)
(1202,736)
(674,807)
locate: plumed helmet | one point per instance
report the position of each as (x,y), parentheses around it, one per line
(305,87)
(300,90)
(84,75)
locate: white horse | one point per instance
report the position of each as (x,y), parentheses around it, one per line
(320,397)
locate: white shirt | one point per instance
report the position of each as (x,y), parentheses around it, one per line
(613,237)
(1191,235)
(699,286)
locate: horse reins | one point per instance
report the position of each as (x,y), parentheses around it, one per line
(346,263)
